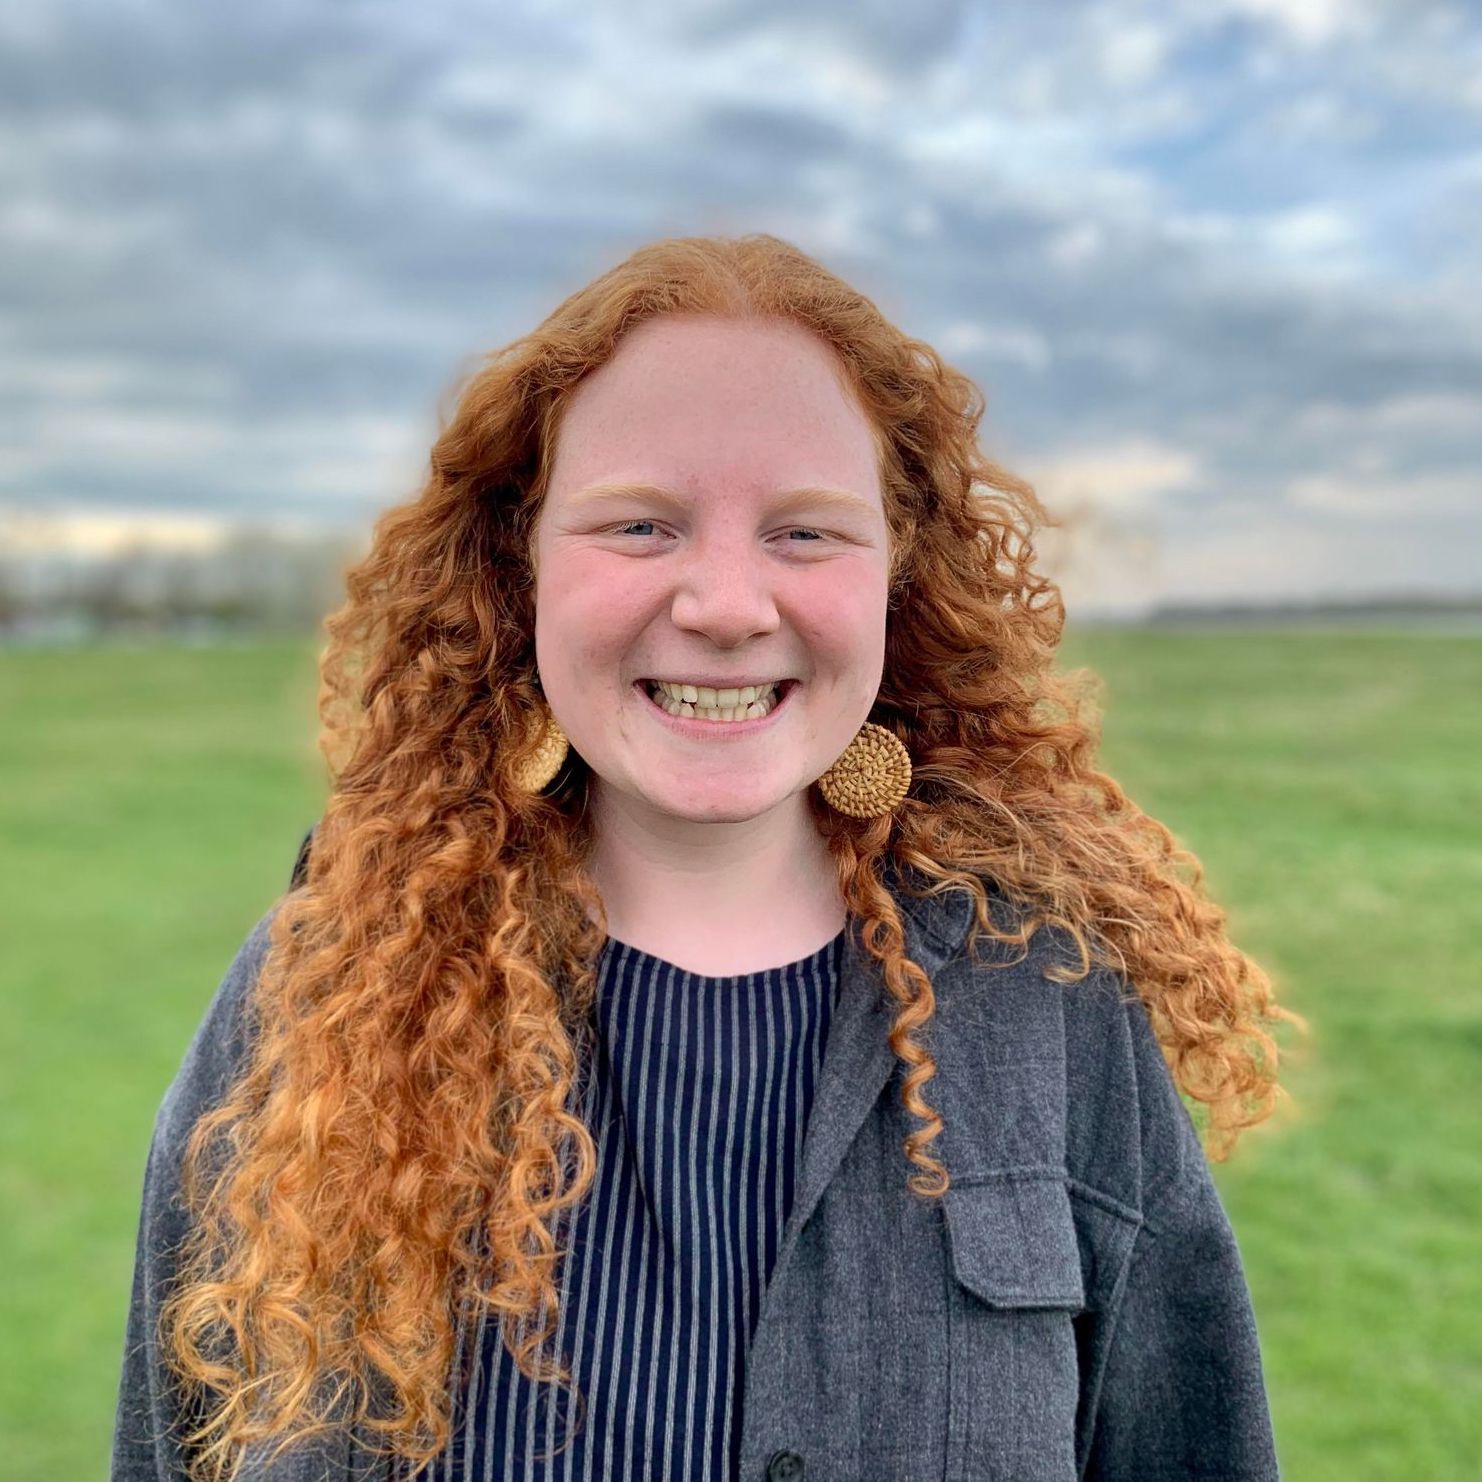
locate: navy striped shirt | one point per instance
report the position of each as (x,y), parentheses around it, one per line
(698,1106)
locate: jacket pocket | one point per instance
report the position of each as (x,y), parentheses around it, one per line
(1015,1290)
(1014,1242)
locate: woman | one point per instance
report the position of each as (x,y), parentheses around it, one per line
(593,1022)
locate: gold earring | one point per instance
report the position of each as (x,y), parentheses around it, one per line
(872,775)
(537,770)
(867,781)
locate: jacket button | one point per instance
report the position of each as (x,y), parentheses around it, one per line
(785,1466)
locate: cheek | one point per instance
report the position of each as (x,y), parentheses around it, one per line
(843,613)
(587,602)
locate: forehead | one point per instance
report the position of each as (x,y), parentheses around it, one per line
(696,402)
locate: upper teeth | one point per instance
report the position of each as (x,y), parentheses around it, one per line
(703,695)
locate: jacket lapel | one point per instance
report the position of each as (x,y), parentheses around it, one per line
(857,1058)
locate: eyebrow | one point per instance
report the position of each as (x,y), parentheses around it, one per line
(838,500)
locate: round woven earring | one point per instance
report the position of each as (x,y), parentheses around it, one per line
(537,770)
(872,775)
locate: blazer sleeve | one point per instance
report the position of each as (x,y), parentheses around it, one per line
(1183,1394)
(146,1447)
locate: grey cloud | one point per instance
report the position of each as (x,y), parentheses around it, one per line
(322,214)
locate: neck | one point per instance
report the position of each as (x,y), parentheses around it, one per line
(723,893)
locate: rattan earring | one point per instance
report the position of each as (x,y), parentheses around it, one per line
(872,775)
(542,766)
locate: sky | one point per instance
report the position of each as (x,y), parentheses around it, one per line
(1215,267)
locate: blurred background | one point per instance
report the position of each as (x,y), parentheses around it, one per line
(1215,268)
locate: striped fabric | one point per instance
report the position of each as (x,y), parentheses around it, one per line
(698,1107)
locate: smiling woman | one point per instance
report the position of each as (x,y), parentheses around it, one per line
(685,884)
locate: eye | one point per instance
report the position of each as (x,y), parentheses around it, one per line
(627,525)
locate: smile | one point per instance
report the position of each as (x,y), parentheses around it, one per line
(711,722)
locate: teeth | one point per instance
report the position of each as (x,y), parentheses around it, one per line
(713,699)
(747,703)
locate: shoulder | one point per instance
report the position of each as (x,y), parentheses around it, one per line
(221,1042)
(223,1039)
(1085,1058)
(1129,1133)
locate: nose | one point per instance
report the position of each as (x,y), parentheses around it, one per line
(725,592)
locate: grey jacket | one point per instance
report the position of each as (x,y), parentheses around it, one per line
(1075,1307)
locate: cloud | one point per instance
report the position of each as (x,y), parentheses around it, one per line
(1386,493)
(107,532)
(1253,558)
(1445,414)
(1310,23)
(1200,258)
(1131,476)
(1017,343)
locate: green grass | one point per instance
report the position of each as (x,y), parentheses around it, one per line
(152,800)
(151,804)
(1330,785)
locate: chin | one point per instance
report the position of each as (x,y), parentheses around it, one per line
(720,807)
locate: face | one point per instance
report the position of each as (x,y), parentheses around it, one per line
(731,577)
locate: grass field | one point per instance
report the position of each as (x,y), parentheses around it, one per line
(152,800)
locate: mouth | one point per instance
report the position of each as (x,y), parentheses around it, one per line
(691,719)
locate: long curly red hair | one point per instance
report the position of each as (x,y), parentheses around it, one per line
(401,1138)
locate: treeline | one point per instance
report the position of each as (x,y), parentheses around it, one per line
(255,579)
(1417,606)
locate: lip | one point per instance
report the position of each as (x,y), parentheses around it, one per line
(714,730)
